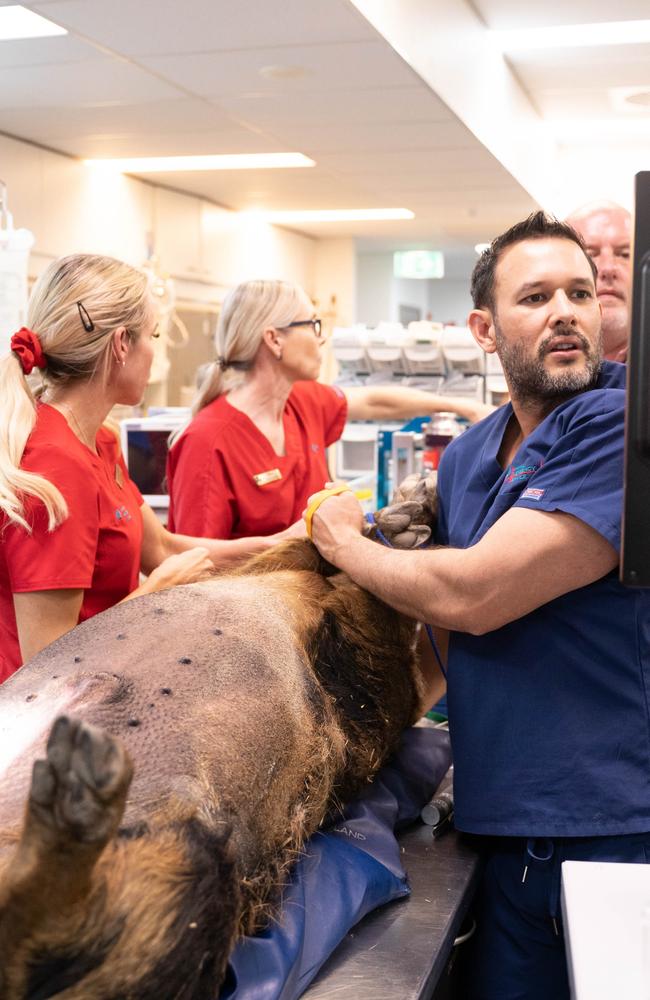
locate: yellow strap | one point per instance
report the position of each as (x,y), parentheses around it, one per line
(318,499)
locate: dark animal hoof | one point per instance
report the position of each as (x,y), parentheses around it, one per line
(80,789)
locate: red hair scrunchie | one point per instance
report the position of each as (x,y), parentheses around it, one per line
(27,346)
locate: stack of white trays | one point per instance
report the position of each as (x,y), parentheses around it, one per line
(349,349)
(495,383)
(422,349)
(384,348)
(470,386)
(461,352)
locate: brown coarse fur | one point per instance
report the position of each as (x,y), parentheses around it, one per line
(248,708)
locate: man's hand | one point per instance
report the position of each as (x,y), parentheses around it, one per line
(337,522)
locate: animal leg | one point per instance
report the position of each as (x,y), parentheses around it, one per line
(411,517)
(75,804)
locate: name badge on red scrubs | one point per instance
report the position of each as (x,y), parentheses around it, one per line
(262,478)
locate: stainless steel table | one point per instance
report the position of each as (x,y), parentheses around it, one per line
(401,950)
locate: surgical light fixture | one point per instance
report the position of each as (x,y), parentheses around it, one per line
(565,36)
(334,215)
(226,161)
(17,21)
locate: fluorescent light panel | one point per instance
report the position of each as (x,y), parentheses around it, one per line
(336,215)
(572,35)
(228,161)
(18,22)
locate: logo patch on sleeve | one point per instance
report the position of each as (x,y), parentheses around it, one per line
(531,494)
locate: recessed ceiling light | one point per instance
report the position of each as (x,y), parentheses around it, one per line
(228,161)
(641,98)
(18,22)
(336,215)
(481,247)
(573,35)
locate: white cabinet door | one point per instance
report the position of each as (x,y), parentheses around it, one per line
(177,231)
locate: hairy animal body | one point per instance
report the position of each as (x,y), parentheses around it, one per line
(222,722)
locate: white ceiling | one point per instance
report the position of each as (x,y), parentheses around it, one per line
(368,101)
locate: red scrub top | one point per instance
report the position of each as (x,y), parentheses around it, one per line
(96,549)
(226,481)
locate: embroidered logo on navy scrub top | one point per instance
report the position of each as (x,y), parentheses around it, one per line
(122,514)
(519,472)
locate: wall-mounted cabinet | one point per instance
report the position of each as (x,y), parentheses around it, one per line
(177,233)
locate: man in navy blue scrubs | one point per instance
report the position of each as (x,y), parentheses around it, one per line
(549,655)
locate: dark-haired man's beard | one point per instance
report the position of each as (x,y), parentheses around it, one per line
(530,381)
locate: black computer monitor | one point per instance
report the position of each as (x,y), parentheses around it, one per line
(145,442)
(635,548)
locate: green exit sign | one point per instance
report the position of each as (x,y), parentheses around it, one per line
(418,264)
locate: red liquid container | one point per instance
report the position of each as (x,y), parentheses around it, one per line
(442,429)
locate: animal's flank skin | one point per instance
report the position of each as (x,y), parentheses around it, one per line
(249,706)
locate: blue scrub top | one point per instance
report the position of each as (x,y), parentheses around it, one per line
(549,715)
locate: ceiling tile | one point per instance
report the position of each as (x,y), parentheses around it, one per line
(331,107)
(327,67)
(423,181)
(152,26)
(170,116)
(76,84)
(45,51)
(205,142)
(401,163)
(391,135)
(185,78)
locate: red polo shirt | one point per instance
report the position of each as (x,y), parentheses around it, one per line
(226,481)
(96,549)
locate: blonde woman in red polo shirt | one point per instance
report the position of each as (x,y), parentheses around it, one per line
(255,448)
(74,531)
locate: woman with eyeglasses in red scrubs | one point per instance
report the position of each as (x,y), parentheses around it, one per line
(255,449)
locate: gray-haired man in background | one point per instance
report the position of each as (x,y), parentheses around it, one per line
(606,229)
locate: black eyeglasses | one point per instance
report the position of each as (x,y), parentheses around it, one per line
(315,324)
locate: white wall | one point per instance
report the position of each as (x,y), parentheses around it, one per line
(410,292)
(71,207)
(379,294)
(374,288)
(335,286)
(449,300)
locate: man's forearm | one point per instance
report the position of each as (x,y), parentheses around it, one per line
(425,585)
(402,403)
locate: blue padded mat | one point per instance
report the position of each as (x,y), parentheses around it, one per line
(346,871)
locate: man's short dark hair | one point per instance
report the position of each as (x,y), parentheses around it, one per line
(537,226)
